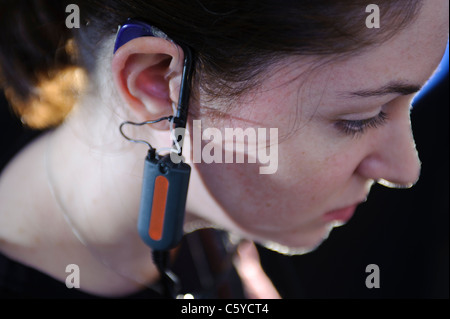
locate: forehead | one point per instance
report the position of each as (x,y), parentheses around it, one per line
(409,57)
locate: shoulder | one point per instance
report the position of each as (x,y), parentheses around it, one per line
(21,191)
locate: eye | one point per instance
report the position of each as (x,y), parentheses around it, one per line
(358,127)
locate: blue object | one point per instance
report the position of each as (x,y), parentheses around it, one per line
(439,74)
(131,30)
(163,202)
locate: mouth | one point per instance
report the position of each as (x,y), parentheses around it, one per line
(342,215)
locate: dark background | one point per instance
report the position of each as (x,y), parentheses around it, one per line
(404,232)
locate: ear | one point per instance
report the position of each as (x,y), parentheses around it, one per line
(147,73)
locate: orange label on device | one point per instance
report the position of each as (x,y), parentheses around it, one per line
(158,208)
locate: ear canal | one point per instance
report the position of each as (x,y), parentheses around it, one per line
(153,84)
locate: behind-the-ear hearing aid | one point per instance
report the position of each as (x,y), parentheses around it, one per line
(165,183)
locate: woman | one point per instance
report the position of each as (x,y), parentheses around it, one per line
(336,90)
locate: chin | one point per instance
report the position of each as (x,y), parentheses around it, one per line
(299,245)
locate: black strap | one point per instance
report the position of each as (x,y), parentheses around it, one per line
(169,281)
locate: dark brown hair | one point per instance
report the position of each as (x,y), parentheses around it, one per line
(234,40)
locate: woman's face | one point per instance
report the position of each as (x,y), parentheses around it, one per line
(341,127)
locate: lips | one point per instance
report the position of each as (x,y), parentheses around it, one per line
(341,215)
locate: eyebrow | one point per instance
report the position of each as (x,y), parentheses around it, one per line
(396,87)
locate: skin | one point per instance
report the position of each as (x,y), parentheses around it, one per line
(85,173)
(321,169)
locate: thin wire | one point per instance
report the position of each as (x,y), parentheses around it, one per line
(169,118)
(172,129)
(174,139)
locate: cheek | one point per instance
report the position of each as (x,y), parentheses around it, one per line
(303,188)
(314,181)
(252,201)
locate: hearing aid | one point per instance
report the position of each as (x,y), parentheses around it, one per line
(165,183)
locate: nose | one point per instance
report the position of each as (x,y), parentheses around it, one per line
(392,159)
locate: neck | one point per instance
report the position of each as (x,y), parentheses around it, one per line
(98,196)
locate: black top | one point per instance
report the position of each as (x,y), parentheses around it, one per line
(20,281)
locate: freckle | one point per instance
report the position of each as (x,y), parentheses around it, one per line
(268,205)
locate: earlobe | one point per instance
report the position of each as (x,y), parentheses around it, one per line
(146,71)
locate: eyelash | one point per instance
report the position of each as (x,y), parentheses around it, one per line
(359,127)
